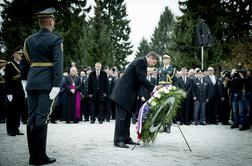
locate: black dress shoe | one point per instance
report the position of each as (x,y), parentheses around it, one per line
(121,145)
(53,122)
(11,134)
(244,127)
(41,161)
(130,142)
(18,133)
(92,122)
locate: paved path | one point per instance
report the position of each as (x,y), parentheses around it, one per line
(84,144)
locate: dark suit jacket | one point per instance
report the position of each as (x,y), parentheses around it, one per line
(98,86)
(126,89)
(185,86)
(212,89)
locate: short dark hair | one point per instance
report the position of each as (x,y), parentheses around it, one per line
(153,55)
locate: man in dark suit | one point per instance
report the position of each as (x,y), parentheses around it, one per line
(184,82)
(2,91)
(125,95)
(97,90)
(212,104)
(15,93)
(44,61)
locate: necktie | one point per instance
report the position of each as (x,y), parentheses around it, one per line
(97,75)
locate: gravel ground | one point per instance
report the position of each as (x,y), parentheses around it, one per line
(86,144)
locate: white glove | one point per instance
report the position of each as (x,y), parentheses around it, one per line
(54,92)
(2,72)
(10,98)
(24,82)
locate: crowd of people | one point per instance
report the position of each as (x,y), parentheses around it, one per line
(85,96)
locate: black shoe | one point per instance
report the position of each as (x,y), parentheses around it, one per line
(181,123)
(86,120)
(2,121)
(18,133)
(130,142)
(54,122)
(234,126)
(187,123)
(107,120)
(100,122)
(196,123)
(244,127)
(92,121)
(12,134)
(121,145)
(41,161)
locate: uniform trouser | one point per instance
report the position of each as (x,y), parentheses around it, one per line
(199,111)
(39,107)
(13,114)
(122,125)
(39,110)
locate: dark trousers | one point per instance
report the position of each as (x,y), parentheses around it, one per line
(212,110)
(184,111)
(224,111)
(39,107)
(122,125)
(85,107)
(107,111)
(97,108)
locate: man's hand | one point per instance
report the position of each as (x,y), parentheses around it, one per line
(54,92)
(10,98)
(158,87)
(142,98)
(73,91)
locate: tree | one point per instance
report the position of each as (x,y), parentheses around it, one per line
(229,22)
(161,39)
(18,23)
(96,42)
(115,15)
(143,48)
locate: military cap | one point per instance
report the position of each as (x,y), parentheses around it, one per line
(166,55)
(47,13)
(200,71)
(18,49)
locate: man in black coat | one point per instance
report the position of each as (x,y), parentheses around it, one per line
(184,82)
(97,90)
(125,95)
(212,104)
(43,69)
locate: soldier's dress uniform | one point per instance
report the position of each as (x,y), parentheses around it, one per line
(44,59)
(17,105)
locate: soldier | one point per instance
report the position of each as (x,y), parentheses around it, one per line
(15,93)
(2,91)
(44,56)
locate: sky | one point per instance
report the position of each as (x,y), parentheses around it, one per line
(144,16)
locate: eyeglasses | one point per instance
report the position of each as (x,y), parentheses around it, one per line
(166,58)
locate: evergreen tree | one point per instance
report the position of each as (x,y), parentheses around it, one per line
(161,40)
(19,22)
(96,42)
(115,15)
(143,48)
